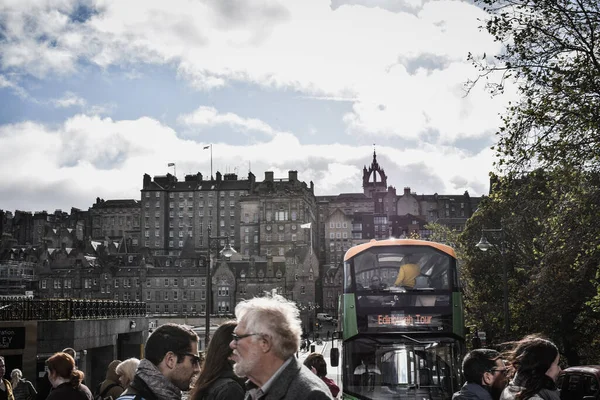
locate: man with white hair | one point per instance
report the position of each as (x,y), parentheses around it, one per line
(264,344)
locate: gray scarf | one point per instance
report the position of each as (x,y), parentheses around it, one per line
(156,381)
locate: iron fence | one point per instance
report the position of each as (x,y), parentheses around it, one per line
(68,309)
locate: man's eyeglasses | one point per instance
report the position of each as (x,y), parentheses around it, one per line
(237,337)
(196,360)
(503,371)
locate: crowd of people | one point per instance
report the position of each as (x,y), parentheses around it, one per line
(249,358)
(527,370)
(255,357)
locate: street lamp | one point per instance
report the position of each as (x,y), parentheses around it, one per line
(485,245)
(227,251)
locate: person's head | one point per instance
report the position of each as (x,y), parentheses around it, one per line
(534,357)
(70,351)
(173,349)
(111,371)
(217,358)
(375,282)
(61,368)
(269,328)
(317,361)
(484,367)
(16,374)
(126,371)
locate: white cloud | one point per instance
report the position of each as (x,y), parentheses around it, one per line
(209,117)
(379,58)
(8,83)
(68,100)
(88,156)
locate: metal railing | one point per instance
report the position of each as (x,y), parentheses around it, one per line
(68,309)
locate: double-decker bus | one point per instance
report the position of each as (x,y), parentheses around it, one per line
(401,321)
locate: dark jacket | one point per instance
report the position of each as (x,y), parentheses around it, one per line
(111,379)
(24,390)
(297,382)
(8,386)
(66,391)
(511,391)
(472,391)
(138,387)
(227,387)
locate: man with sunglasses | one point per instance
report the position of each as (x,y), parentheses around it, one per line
(170,364)
(485,376)
(264,345)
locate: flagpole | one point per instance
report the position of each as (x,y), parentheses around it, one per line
(211,175)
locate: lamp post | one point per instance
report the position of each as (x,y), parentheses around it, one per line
(226,251)
(484,245)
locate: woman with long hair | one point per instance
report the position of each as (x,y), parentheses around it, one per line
(126,371)
(66,379)
(535,363)
(217,380)
(22,388)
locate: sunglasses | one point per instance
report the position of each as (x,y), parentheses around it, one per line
(196,360)
(237,337)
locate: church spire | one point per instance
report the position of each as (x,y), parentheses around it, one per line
(371,183)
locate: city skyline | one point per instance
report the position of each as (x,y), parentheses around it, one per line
(98,93)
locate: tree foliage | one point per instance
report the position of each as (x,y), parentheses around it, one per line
(552,52)
(548,198)
(552,256)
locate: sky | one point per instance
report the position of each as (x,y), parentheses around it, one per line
(96,93)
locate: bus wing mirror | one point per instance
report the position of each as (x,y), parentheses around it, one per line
(335,357)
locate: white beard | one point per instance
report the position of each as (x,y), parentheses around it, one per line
(244,367)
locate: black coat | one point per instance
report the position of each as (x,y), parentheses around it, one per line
(66,391)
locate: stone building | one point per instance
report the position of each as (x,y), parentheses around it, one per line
(173,211)
(378,213)
(117,220)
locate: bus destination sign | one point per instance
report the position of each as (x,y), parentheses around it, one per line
(409,321)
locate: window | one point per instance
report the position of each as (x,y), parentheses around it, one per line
(192,281)
(157,195)
(181,243)
(332,224)
(166,281)
(43,284)
(147,194)
(302,290)
(175,295)
(116,282)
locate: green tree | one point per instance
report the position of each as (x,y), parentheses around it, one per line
(552,52)
(551,257)
(550,218)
